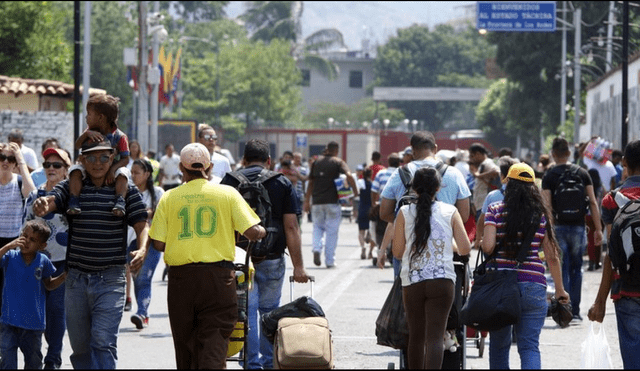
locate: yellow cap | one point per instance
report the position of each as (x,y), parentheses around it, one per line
(522,172)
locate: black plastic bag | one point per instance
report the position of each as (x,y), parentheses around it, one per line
(303,306)
(391,326)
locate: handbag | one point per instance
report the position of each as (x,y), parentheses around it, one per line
(494,301)
(391,326)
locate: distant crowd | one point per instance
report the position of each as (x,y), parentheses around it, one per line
(77,237)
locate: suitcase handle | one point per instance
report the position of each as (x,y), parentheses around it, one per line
(312,280)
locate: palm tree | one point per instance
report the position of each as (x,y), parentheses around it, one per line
(267,20)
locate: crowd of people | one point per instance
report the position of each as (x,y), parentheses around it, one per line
(88,233)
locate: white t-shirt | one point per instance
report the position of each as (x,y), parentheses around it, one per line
(30,157)
(436,260)
(221,165)
(171,168)
(606,171)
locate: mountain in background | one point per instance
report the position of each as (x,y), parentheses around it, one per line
(373,20)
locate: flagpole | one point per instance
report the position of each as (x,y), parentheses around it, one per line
(153,133)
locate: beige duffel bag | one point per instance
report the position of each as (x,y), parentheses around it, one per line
(303,343)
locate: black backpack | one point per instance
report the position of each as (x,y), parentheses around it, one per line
(406,177)
(624,241)
(570,199)
(258,198)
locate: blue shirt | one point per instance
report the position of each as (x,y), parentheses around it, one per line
(381,179)
(453,187)
(493,196)
(23,294)
(39,177)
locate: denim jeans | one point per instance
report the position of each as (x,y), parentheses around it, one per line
(533,301)
(142,281)
(572,241)
(628,317)
(29,342)
(54,333)
(263,298)
(326,222)
(94,303)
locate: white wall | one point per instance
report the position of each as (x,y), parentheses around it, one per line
(604,108)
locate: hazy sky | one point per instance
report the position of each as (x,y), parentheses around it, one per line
(377,20)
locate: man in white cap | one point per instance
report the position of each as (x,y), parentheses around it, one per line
(194,225)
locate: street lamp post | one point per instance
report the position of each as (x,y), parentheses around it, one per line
(330,122)
(385,122)
(414,123)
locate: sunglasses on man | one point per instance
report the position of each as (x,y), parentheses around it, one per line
(56,165)
(93,158)
(11,159)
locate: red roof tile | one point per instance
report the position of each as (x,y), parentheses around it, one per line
(18,86)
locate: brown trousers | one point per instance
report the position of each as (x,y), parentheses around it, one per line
(203,310)
(427,305)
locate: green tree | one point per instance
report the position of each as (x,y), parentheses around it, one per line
(269,20)
(32,45)
(258,82)
(417,57)
(196,11)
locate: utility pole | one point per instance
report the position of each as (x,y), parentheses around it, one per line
(143,95)
(86,59)
(563,68)
(76,74)
(153,132)
(612,7)
(625,74)
(577,19)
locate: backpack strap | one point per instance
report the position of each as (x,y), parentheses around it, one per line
(441,167)
(237,175)
(405,176)
(266,175)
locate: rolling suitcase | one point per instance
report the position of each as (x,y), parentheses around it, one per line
(303,342)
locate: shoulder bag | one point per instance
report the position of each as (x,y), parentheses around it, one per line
(494,301)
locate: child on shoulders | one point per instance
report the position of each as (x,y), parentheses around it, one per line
(102,122)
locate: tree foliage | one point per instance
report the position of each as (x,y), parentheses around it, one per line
(196,11)
(268,20)
(417,57)
(32,44)
(257,81)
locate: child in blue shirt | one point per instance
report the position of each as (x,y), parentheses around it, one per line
(28,272)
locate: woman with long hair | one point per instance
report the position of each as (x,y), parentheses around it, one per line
(506,224)
(424,234)
(141,177)
(135,153)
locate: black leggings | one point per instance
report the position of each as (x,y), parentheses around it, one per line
(427,305)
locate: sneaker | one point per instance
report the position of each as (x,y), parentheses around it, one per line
(375,261)
(591,267)
(139,321)
(127,305)
(577,317)
(50,366)
(316,259)
(74,206)
(119,207)
(331,266)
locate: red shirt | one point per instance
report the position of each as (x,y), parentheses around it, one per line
(374,169)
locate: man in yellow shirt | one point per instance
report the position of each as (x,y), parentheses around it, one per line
(194,225)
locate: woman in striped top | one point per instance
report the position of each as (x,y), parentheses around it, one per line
(506,224)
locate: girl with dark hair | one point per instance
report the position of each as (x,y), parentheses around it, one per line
(141,171)
(506,224)
(364,237)
(424,239)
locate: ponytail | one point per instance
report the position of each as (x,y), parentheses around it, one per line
(426,183)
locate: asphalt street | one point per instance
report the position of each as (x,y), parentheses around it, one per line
(351,295)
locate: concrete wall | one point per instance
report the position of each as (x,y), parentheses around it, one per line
(37,126)
(322,90)
(604,108)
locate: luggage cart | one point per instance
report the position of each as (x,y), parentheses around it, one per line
(238,340)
